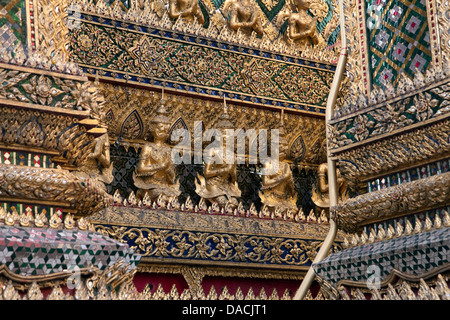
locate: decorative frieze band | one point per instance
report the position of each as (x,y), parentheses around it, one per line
(171,236)
(394,153)
(150,57)
(393,116)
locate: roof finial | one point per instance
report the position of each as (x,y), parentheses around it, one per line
(282,132)
(224,118)
(224,104)
(163,101)
(97,79)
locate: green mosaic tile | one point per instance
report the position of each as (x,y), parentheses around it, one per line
(12,22)
(400,43)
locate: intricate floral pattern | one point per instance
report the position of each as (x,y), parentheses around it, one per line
(423,106)
(167,59)
(247,246)
(148,54)
(400,113)
(309,86)
(41,90)
(201,66)
(93,45)
(50,90)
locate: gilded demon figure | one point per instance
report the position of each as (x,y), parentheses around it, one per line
(278,190)
(244,14)
(98,166)
(188,9)
(320,194)
(155,172)
(301,26)
(219,182)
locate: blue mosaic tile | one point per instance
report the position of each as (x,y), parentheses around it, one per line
(415,255)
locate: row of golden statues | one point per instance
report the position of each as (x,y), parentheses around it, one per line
(155,176)
(155,172)
(244,15)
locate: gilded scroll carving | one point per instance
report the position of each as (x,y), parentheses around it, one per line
(215,247)
(200,67)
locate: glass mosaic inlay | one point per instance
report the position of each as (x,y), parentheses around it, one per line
(399,41)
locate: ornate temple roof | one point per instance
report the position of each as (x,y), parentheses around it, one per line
(84,137)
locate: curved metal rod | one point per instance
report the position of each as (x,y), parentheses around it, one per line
(332,179)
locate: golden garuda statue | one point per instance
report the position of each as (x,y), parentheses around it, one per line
(278,189)
(320,195)
(155,172)
(187,9)
(219,183)
(244,15)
